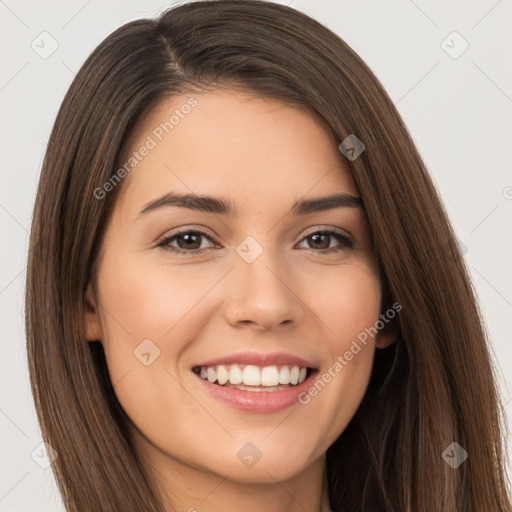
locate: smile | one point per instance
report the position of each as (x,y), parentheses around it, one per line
(256,383)
(253,378)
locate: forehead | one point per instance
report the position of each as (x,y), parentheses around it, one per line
(253,150)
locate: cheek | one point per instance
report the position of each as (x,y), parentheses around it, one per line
(348,302)
(148,300)
(149,314)
(348,306)
(150,308)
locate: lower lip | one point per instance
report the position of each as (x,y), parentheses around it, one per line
(262,402)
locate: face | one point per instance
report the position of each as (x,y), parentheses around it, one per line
(188,292)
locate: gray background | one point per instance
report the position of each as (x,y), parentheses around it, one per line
(458,111)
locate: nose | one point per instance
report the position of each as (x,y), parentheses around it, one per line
(262,294)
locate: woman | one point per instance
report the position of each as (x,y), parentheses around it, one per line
(242,283)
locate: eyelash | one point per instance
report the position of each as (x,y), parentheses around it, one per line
(347,242)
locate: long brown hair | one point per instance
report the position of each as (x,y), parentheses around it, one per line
(434,386)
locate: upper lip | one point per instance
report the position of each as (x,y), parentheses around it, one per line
(258,359)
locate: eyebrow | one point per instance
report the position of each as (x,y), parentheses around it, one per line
(221,206)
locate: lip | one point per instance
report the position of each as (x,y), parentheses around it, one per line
(257,359)
(259,402)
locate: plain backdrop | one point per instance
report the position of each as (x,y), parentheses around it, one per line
(456,101)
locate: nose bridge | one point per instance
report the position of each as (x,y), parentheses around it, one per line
(257,260)
(262,294)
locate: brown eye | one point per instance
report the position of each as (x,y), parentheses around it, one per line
(321,240)
(190,242)
(187,242)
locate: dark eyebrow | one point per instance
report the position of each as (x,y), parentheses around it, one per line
(320,204)
(225,207)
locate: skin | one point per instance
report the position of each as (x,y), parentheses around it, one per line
(263,156)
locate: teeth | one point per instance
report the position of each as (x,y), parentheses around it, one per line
(269,376)
(284,375)
(211,374)
(235,375)
(251,375)
(222,375)
(294,375)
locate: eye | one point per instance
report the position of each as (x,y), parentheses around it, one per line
(189,242)
(322,240)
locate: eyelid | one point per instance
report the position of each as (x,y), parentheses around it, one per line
(198,228)
(325,228)
(183,231)
(345,235)
(308,232)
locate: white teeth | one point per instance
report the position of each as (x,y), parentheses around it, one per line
(294,375)
(269,376)
(251,375)
(235,374)
(222,375)
(211,374)
(284,375)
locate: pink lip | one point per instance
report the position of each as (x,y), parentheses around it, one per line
(262,402)
(275,358)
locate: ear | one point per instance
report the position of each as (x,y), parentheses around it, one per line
(92,318)
(387,335)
